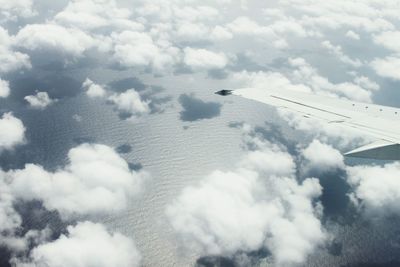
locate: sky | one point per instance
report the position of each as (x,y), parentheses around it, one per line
(115,151)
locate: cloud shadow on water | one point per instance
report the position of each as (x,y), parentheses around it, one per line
(251,258)
(56,85)
(215,261)
(124,148)
(127,83)
(196,109)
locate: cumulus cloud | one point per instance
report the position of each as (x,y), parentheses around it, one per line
(96,181)
(86,244)
(95,14)
(10,220)
(4,88)
(260,204)
(352,35)
(306,74)
(387,67)
(366,83)
(12,132)
(138,49)
(53,37)
(130,102)
(246,26)
(306,78)
(127,103)
(11,10)
(338,52)
(11,60)
(92,89)
(376,188)
(39,101)
(322,157)
(359,15)
(12,234)
(274,80)
(343,137)
(276,30)
(204,59)
(389,40)
(221,33)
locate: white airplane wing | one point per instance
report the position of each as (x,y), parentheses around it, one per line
(381,122)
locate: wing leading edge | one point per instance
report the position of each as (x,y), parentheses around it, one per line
(381,122)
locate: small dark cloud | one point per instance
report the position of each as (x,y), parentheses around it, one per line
(125,148)
(196,109)
(127,83)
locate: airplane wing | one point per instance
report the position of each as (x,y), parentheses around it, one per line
(381,122)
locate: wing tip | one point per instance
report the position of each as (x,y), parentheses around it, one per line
(224,92)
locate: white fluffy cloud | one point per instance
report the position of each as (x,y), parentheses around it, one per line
(4,88)
(352,35)
(387,67)
(389,40)
(130,102)
(322,157)
(10,220)
(204,59)
(94,14)
(12,132)
(376,188)
(11,60)
(338,52)
(39,101)
(260,204)
(96,181)
(306,74)
(86,244)
(92,89)
(138,49)
(52,37)
(305,78)
(274,80)
(11,10)
(368,15)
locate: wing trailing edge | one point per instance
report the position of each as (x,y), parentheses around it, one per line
(381,122)
(381,149)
